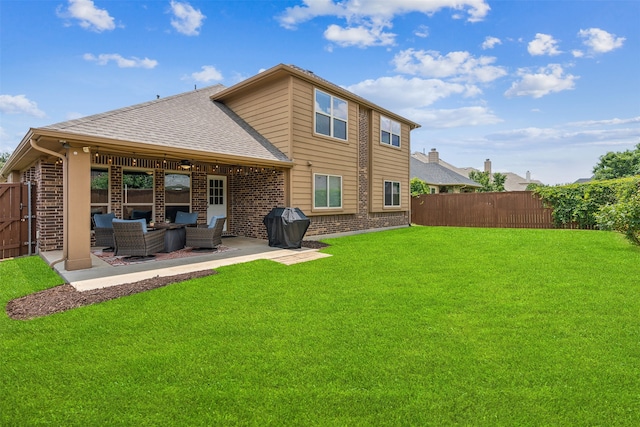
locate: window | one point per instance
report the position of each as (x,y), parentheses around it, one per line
(331,115)
(391,194)
(137,189)
(99,192)
(327,191)
(389,131)
(177,194)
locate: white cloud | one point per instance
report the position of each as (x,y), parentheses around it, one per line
(543,44)
(577,53)
(397,93)
(90,17)
(600,41)
(422,31)
(19,104)
(452,118)
(455,65)
(133,62)
(209,73)
(546,80)
(490,42)
(187,20)
(366,20)
(360,36)
(607,122)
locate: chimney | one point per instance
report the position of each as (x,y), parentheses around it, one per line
(487,166)
(434,157)
(528,176)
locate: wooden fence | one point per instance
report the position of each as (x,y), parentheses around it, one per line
(17,220)
(513,209)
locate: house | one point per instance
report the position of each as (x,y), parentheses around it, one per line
(284,137)
(440,178)
(513,181)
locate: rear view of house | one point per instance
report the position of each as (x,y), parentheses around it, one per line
(284,137)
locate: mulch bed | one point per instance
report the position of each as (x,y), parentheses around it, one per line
(66,297)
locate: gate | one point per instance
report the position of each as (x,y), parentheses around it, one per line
(17,219)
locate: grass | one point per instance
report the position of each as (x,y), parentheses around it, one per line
(418,326)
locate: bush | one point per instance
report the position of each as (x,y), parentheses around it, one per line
(579,204)
(623,216)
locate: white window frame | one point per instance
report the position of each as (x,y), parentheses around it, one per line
(332,116)
(328,191)
(392,205)
(187,205)
(392,128)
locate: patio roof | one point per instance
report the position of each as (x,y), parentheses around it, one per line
(189,124)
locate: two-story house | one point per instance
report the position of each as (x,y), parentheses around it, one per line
(284,137)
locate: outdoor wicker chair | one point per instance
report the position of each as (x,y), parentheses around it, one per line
(132,238)
(204,236)
(103,229)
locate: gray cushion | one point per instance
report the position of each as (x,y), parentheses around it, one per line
(186,217)
(103,220)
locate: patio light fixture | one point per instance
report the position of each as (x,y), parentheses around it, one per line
(185,164)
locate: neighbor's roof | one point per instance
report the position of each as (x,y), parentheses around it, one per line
(190,121)
(436,174)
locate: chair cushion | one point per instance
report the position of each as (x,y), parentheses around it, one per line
(141,221)
(212,223)
(186,217)
(104,220)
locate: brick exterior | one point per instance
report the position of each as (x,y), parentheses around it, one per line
(252,193)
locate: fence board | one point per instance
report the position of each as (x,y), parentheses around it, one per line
(513,209)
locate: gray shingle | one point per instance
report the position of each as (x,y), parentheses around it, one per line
(433,173)
(189,120)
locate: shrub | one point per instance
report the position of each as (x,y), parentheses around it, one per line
(580,203)
(623,216)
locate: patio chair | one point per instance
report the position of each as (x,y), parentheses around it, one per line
(103,229)
(208,237)
(186,218)
(132,238)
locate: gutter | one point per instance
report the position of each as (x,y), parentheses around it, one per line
(64,186)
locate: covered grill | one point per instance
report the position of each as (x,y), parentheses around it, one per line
(286,227)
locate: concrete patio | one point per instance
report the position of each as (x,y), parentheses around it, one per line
(242,249)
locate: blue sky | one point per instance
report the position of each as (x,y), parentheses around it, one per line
(540,86)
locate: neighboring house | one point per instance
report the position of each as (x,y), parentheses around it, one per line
(440,179)
(284,137)
(513,182)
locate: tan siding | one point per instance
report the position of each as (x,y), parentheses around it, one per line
(389,164)
(326,155)
(267,110)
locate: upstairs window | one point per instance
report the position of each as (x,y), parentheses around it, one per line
(391,194)
(331,115)
(389,131)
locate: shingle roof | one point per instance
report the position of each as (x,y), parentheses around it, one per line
(189,121)
(434,173)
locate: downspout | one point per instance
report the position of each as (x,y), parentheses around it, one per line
(64,187)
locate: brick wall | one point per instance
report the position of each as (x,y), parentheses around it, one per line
(251,197)
(49,205)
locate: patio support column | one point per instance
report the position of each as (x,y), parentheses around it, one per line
(77,212)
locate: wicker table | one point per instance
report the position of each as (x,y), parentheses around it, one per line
(174,236)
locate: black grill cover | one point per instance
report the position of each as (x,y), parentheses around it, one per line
(286,227)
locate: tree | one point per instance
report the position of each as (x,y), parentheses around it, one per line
(418,187)
(3,158)
(618,165)
(493,182)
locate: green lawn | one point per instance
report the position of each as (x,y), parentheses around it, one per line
(417,326)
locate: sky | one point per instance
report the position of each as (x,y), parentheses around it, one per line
(545,86)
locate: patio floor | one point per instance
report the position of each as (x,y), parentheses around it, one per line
(242,249)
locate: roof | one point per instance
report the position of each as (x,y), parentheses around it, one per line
(436,174)
(189,121)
